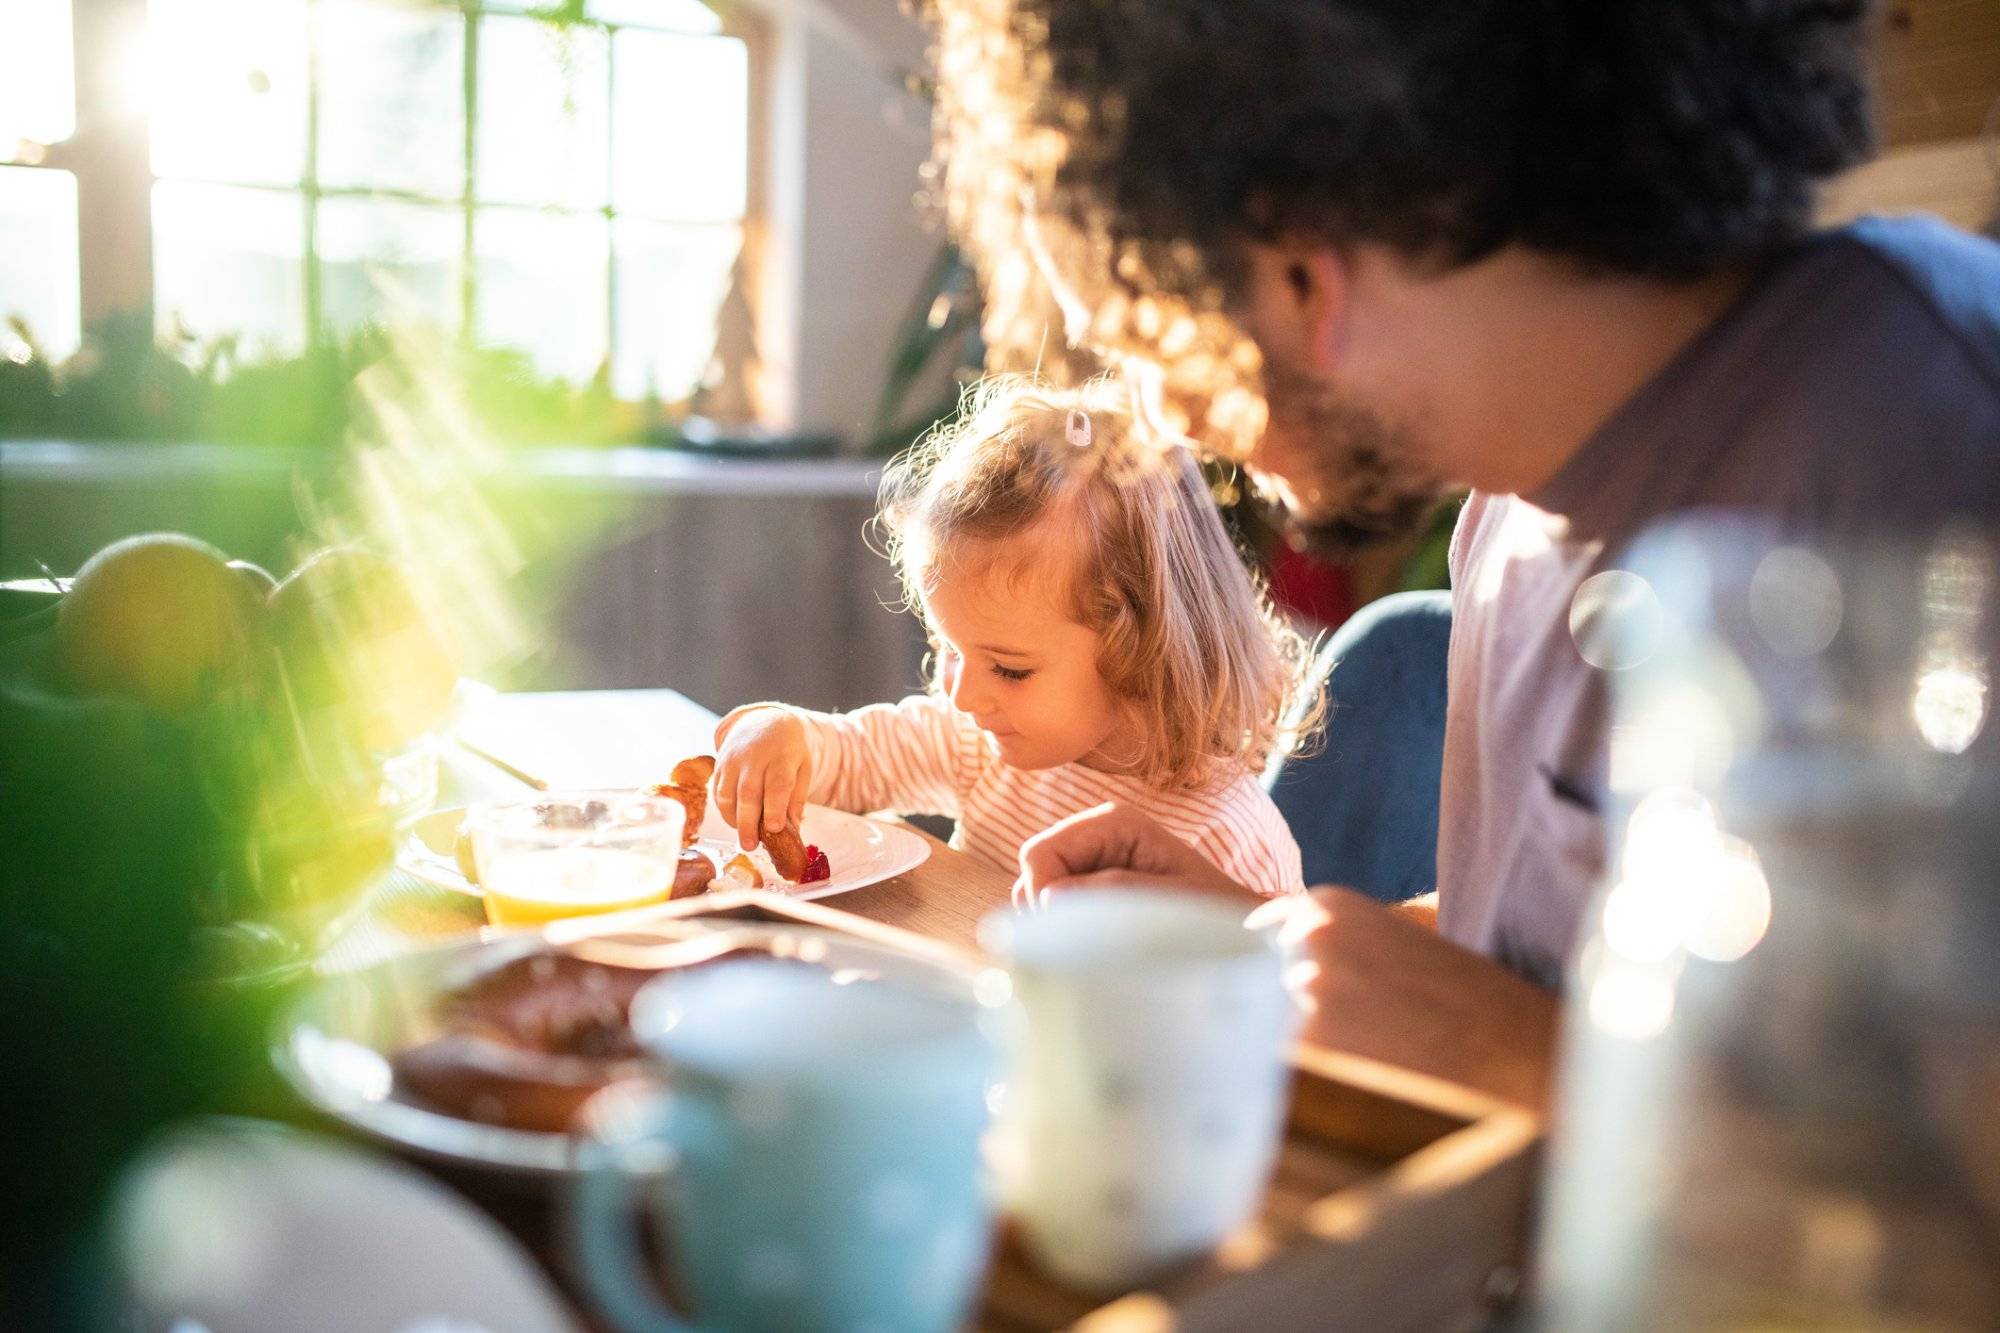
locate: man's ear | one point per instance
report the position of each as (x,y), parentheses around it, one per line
(1297,302)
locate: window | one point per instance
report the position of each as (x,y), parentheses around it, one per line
(570,180)
(40,294)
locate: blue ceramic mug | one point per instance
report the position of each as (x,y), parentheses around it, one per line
(821,1127)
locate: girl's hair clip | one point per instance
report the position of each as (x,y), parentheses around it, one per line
(1077,428)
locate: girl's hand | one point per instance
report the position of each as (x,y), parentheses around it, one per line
(1114,846)
(762,772)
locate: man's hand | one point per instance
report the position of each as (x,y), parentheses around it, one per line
(1384,985)
(1114,846)
(1380,982)
(1422,910)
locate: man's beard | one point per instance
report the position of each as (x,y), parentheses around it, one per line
(1353,476)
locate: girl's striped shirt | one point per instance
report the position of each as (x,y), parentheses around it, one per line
(922,756)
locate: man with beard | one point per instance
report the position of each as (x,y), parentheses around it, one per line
(1560,254)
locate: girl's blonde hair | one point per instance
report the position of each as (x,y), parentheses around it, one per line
(1213,674)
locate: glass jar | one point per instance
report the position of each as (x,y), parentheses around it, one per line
(1781,1097)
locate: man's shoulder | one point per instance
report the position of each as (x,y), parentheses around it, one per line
(1493,524)
(1859,385)
(1945,280)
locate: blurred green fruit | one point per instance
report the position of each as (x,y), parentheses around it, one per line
(355,636)
(161,619)
(261,581)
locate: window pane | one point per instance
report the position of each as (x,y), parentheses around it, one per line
(392,99)
(37,75)
(230,261)
(671,282)
(542,288)
(671,15)
(388,262)
(542,113)
(38,275)
(681,108)
(37,87)
(675,15)
(228,96)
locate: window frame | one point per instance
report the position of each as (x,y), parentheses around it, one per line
(110,157)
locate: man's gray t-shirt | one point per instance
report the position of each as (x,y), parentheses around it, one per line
(1853,387)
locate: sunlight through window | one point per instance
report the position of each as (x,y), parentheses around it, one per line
(230,262)
(571,188)
(38,264)
(37,89)
(692,92)
(41,310)
(227,90)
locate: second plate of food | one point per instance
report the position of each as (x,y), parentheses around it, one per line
(859,851)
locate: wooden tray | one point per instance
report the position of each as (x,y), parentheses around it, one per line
(1399,1201)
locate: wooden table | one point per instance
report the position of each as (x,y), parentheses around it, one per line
(618,738)
(626,738)
(613,738)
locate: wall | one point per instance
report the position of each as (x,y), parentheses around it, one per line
(1955,180)
(1938,114)
(1938,70)
(846,248)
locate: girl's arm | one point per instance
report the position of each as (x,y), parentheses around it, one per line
(917,756)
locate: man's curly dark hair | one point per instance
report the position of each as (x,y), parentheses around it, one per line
(1665,139)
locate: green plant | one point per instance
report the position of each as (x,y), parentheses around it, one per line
(123,1015)
(126,384)
(942,323)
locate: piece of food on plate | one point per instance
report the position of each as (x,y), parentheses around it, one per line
(694,875)
(474,1076)
(791,857)
(688,784)
(740,872)
(528,1043)
(551,1001)
(795,859)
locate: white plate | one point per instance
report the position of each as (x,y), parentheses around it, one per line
(860,851)
(338,1043)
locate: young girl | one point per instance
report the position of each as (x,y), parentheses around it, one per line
(1095,638)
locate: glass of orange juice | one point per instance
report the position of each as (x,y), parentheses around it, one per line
(574,853)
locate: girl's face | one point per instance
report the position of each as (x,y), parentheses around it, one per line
(1011,657)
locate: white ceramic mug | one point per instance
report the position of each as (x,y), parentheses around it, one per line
(1148,1076)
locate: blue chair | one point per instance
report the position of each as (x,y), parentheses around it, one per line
(1364,805)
